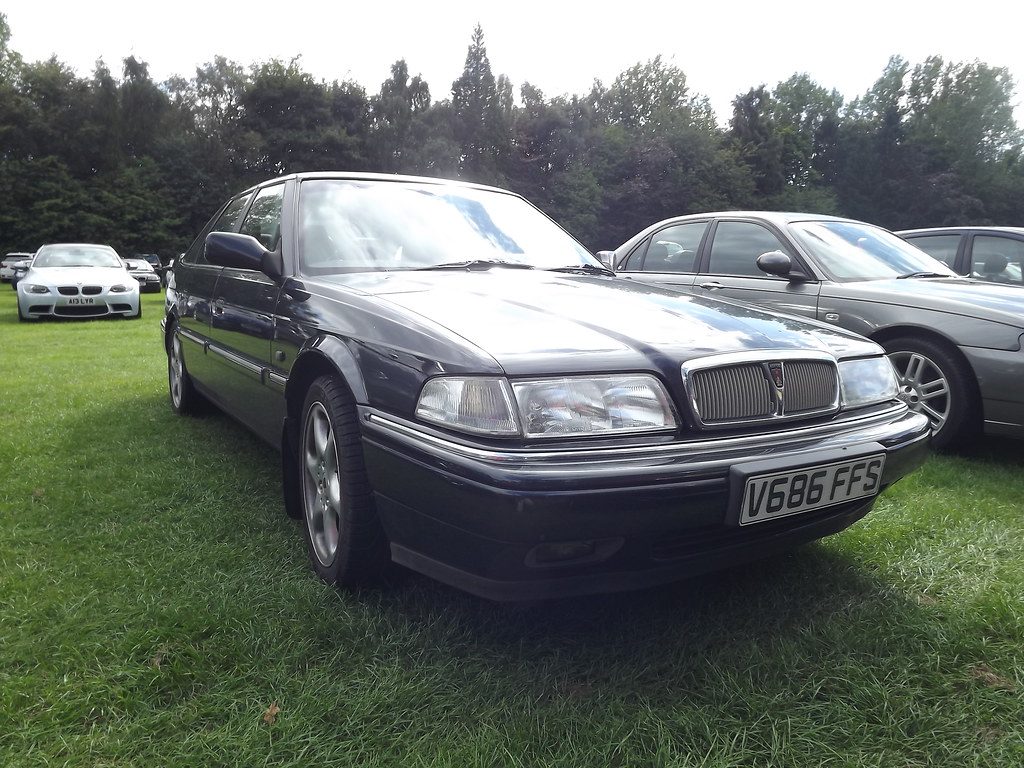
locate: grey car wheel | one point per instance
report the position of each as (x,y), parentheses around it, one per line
(345,539)
(933,382)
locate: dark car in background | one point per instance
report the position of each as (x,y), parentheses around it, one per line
(149,281)
(995,254)
(18,270)
(955,342)
(156,263)
(458,386)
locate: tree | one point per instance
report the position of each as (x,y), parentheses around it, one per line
(478,113)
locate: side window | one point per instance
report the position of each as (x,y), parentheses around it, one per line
(632,262)
(997,259)
(226,221)
(941,247)
(737,245)
(264,218)
(674,249)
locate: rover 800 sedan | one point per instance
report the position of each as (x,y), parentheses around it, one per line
(458,386)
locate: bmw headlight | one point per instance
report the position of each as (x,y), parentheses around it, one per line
(32,288)
(118,288)
(473,404)
(593,405)
(866,381)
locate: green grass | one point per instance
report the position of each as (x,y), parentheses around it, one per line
(155,602)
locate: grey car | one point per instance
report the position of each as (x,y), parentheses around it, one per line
(956,343)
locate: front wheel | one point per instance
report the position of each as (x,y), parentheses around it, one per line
(346,542)
(934,382)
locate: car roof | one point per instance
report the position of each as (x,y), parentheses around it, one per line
(390,177)
(76,245)
(961,230)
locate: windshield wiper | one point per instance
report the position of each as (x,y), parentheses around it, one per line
(477,264)
(583,269)
(923,274)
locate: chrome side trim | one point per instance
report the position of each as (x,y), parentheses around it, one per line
(276,381)
(865,427)
(241,362)
(193,337)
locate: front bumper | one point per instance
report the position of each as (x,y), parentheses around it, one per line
(99,304)
(475,517)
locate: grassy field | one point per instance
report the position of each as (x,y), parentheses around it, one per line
(156,608)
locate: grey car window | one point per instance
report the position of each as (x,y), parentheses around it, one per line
(997,259)
(941,247)
(850,251)
(674,249)
(737,245)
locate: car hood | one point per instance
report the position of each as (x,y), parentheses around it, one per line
(533,321)
(78,275)
(962,296)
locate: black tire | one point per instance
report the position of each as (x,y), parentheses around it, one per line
(344,537)
(184,398)
(920,364)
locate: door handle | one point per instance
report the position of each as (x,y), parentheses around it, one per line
(712,286)
(218,307)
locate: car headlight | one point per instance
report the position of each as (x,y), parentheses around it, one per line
(593,405)
(474,404)
(866,381)
(118,288)
(33,288)
(570,405)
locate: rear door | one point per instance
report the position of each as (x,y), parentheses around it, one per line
(668,257)
(729,269)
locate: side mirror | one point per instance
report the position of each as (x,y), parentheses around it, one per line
(779,264)
(607,258)
(226,249)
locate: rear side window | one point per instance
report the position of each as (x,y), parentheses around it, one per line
(997,259)
(674,249)
(941,247)
(225,222)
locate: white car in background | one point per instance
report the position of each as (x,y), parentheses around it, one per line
(77,280)
(7,265)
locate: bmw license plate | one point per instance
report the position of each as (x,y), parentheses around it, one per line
(779,494)
(81,300)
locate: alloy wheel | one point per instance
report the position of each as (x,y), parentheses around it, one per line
(923,386)
(321,483)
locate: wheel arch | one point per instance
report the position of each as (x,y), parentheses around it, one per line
(896,331)
(326,356)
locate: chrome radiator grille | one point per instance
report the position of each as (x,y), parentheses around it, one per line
(752,391)
(733,393)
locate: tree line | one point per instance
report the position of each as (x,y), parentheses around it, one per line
(142,165)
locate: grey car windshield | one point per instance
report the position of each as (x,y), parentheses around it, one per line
(354,226)
(849,251)
(76,256)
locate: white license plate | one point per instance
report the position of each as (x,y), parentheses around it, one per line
(768,497)
(82,300)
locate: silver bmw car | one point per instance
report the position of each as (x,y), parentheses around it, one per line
(77,280)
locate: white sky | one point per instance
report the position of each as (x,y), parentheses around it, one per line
(724,48)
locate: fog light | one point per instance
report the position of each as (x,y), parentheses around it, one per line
(572,552)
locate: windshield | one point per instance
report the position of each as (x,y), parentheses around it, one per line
(76,256)
(850,251)
(357,226)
